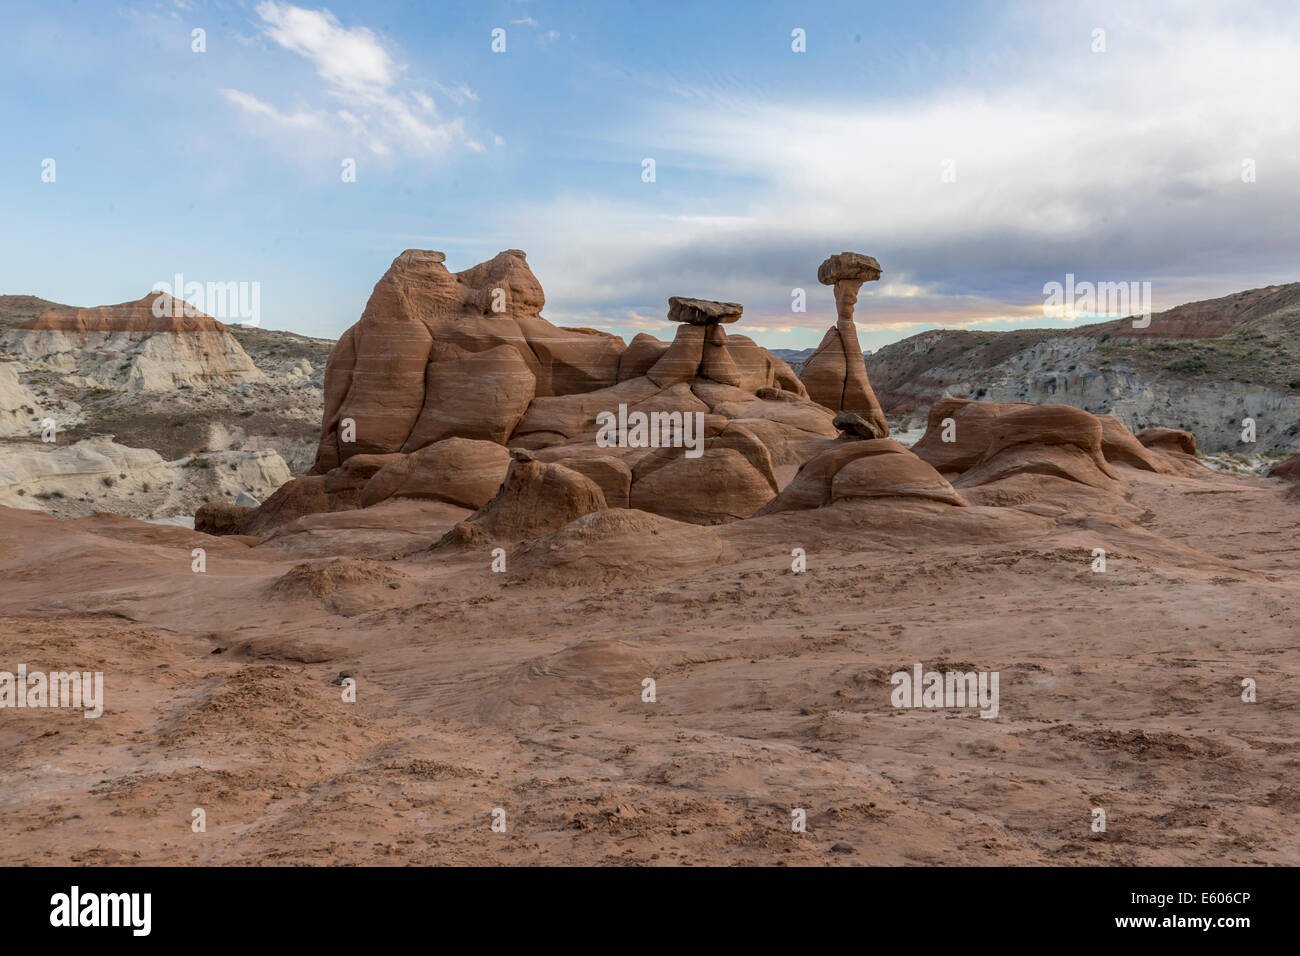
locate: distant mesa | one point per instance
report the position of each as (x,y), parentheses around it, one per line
(153,344)
(156,312)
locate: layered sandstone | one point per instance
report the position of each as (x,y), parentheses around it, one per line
(153,344)
(836,375)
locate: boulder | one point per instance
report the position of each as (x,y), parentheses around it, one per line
(535,499)
(459,471)
(1169,439)
(903,474)
(702,311)
(611,475)
(851,266)
(1118,446)
(971,431)
(854,425)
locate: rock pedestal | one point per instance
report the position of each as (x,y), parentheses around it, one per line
(836,375)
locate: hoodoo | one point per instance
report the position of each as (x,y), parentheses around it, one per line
(836,375)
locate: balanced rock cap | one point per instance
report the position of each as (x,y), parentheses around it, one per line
(848,265)
(702,311)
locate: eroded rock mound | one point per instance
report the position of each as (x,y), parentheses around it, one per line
(344,585)
(980,443)
(431,357)
(617,545)
(1169,439)
(535,499)
(873,468)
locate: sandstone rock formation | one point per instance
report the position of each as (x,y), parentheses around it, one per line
(836,375)
(1169,439)
(976,444)
(535,499)
(871,468)
(439,355)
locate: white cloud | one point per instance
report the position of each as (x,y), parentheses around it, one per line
(251,104)
(348,59)
(357,72)
(1118,166)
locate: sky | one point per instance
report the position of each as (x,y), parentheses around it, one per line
(978,151)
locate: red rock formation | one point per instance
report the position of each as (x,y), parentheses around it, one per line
(854,468)
(836,375)
(535,499)
(426,360)
(1169,440)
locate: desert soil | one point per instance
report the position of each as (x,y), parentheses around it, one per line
(522,691)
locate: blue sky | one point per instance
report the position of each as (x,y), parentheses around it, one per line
(1117,165)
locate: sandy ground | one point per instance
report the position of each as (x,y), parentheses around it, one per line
(522,691)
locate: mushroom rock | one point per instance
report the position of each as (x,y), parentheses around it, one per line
(535,499)
(836,375)
(459,471)
(871,468)
(492,370)
(1169,440)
